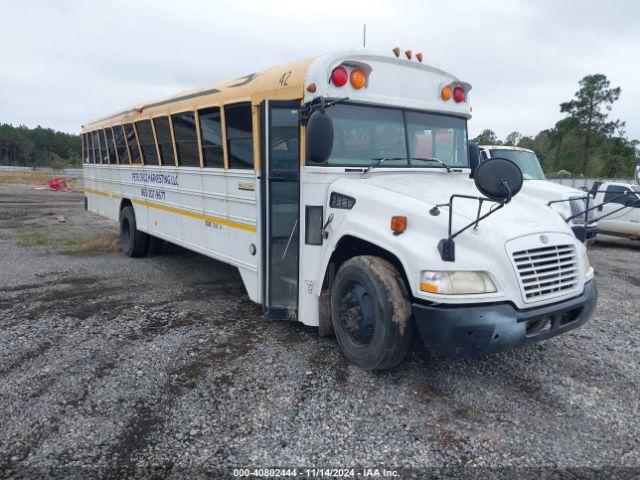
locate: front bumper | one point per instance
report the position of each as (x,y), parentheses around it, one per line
(456,332)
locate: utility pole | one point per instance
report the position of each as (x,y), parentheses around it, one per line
(364,35)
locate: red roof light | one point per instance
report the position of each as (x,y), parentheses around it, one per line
(339,76)
(458,94)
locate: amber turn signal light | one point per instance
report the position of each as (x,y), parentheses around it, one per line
(358,78)
(446,93)
(398,224)
(311,88)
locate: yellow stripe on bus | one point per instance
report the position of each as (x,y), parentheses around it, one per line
(186,213)
(96,192)
(199,216)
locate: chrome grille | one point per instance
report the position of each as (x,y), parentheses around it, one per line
(547,271)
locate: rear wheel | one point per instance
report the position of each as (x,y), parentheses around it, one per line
(134,242)
(371,313)
(155,245)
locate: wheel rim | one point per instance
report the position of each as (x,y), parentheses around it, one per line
(357,313)
(125,233)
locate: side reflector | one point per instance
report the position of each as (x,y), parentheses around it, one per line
(458,94)
(398,224)
(311,88)
(397,51)
(446,93)
(419,56)
(339,76)
(358,78)
(408,53)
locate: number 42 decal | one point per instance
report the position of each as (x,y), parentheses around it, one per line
(284,79)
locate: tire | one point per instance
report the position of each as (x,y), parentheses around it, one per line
(155,245)
(134,242)
(371,313)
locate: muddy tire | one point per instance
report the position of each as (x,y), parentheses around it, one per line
(134,242)
(371,313)
(155,245)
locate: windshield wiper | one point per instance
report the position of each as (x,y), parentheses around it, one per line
(432,159)
(377,161)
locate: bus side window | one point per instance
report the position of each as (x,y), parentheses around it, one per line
(97,154)
(89,147)
(121,145)
(105,147)
(147,142)
(84,148)
(238,122)
(165,143)
(211,137)
(133,144)
(184,130)
(111,146)
(483,155)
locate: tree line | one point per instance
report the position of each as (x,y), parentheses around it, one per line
(586,142)
(38,147)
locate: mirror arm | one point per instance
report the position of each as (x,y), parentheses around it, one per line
(319,103)
(447,246)
(595,207)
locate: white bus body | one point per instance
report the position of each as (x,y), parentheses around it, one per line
(314,242)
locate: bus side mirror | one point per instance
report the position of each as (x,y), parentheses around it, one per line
(474,157)
(319,137)
(498,179)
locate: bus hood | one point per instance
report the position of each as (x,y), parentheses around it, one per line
(420,191)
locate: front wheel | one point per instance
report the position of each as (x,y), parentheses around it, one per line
(371,312)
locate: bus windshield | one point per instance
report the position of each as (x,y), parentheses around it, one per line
(364,133)
(527,161)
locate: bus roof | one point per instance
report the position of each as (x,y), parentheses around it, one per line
(418,87)
(251,88)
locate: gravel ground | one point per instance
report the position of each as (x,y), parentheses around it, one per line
(130,368)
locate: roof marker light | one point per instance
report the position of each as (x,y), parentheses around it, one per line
(339,76)
(419,56)
(446,93)
(397,51)
(358,79)
(408,53)
(458,94)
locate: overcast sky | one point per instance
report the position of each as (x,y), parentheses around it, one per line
(64,62)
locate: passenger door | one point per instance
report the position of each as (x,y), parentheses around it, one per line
(280,178)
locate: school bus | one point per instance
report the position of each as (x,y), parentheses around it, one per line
(342,189)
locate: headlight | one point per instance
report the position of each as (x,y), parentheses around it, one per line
(586,266)
(457,283)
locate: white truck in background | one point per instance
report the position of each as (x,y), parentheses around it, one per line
(543,191)
(619,206)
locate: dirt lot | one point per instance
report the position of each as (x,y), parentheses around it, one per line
(120,367)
